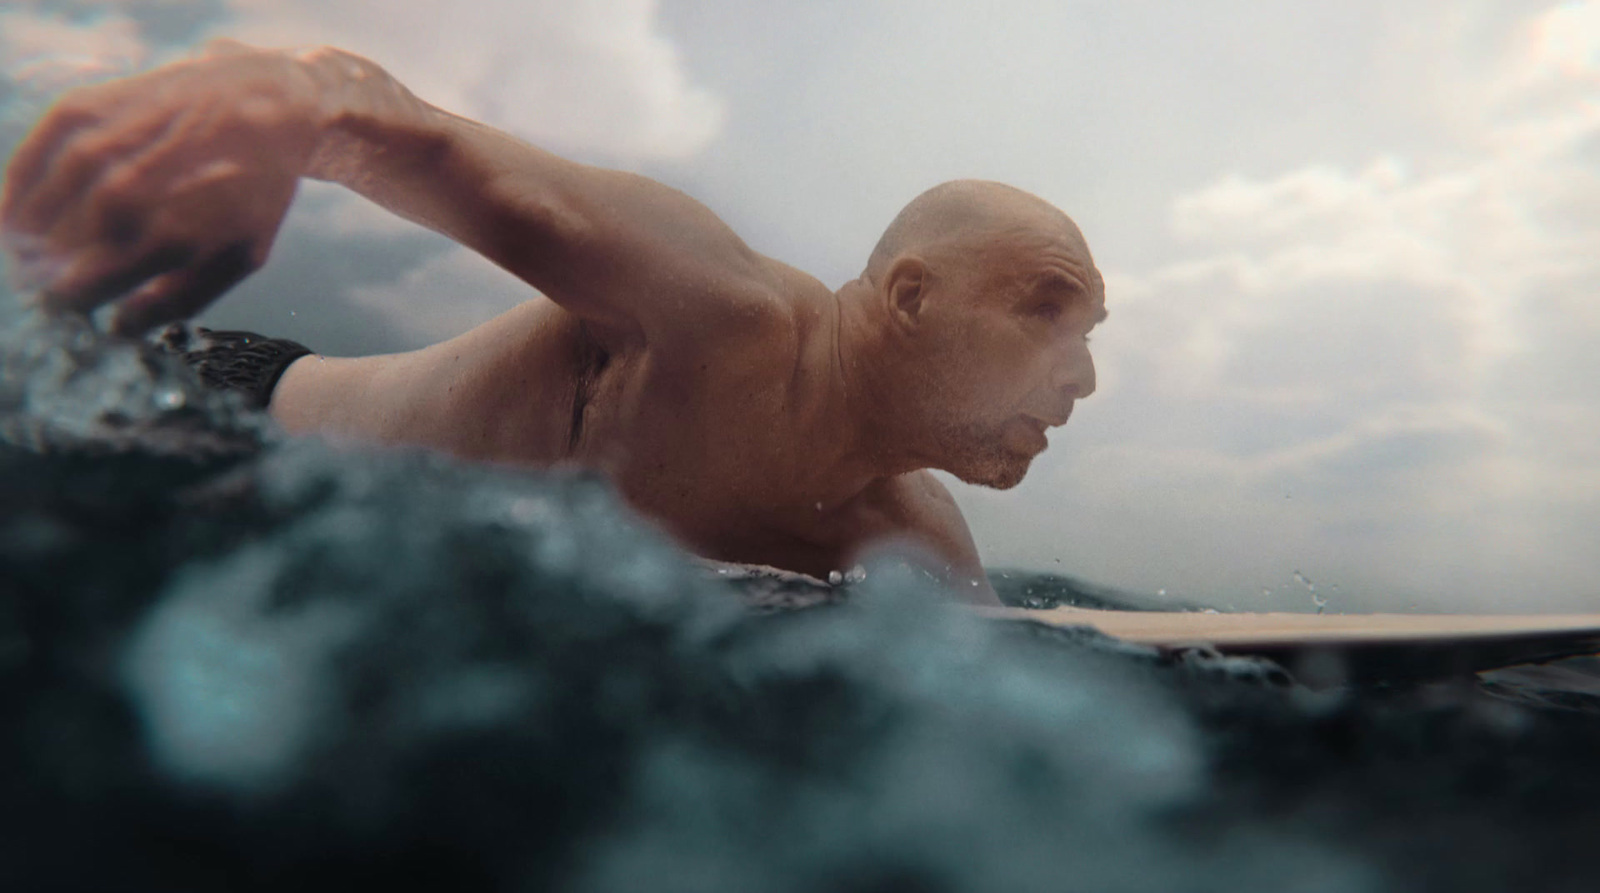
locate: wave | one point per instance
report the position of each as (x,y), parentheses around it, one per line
(230,660)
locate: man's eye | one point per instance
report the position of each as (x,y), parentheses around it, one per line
(1049,310)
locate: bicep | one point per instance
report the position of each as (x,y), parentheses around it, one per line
(626,252)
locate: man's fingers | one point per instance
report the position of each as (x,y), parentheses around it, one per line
(34,157)
(106,272)
(115,165)
(183,293)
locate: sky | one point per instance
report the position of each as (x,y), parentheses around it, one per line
(1351,250)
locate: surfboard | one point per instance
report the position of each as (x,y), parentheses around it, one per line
(1319,650)
(1336,649)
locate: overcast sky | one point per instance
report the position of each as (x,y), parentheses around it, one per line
(1352,250)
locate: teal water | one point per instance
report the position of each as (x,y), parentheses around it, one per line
(233,661)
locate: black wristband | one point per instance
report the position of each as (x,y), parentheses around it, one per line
(239,361)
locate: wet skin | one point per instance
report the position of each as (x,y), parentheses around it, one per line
(753,413)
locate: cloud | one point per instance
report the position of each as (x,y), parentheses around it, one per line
(1383,368)
(592,78)
(44,52)
(446,295)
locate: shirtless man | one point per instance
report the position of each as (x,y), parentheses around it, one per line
(756,415)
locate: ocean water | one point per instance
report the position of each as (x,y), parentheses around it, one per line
(233,661)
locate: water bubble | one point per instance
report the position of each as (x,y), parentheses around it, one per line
(170,399)
(1161,592)
(835,578)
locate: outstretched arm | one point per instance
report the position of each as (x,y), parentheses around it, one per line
(630,255)
(162,190)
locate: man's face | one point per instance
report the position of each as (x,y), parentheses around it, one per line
(1010,354)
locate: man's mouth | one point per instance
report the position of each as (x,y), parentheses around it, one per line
(1052,421)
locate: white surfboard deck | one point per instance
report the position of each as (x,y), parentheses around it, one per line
(1368,647)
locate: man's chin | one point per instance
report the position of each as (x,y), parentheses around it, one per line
(995,476)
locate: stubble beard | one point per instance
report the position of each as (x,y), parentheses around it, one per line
(978,455)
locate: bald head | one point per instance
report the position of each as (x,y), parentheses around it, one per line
(962,211)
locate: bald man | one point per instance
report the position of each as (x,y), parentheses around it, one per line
(756,415)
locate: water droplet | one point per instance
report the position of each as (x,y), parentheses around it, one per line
(819,506)
(529,510)
(835,578)
(1161,592)
(170,399)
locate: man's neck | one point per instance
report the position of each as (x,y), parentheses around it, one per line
(852,424)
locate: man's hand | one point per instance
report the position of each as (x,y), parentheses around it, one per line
(160,191)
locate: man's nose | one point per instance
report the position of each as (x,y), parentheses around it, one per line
(1074,372)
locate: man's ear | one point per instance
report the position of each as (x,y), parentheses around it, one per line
(905,289)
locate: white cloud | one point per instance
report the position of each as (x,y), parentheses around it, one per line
(446,295)
(594,78)
(1403,346)
(43,53)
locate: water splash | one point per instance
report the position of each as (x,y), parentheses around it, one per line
(325,658)
(1311,588)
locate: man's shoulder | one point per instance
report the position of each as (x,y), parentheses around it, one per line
(924,494)
(771,308)
(920,508)
(920,504)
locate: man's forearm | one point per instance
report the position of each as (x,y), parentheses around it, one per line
(442,171)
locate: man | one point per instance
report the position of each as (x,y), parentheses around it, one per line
(756,415)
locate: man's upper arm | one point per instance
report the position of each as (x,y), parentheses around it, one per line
(937,520)
(626,252)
